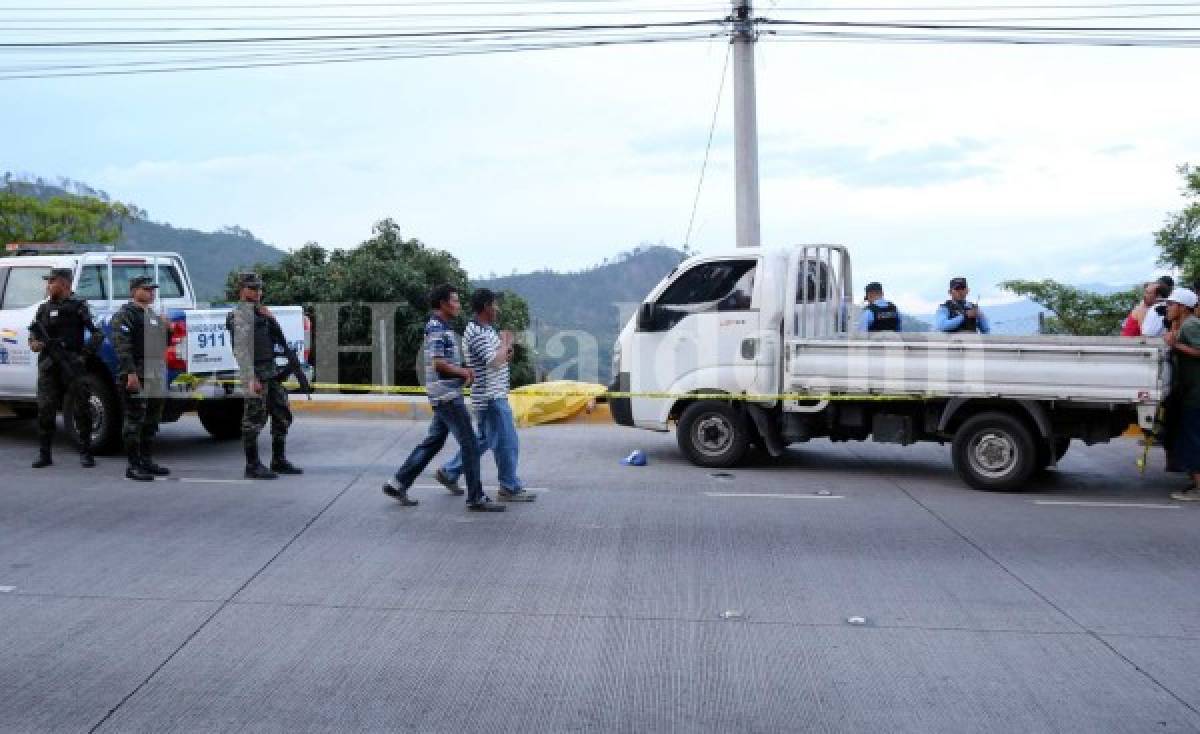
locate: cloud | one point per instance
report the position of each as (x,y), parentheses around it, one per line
(861,166)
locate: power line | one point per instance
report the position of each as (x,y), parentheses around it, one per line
(974,26)
(301,61)
(687,238)
(530,30)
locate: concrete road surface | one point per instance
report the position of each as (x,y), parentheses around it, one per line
(845,588)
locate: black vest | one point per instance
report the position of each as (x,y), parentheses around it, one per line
(886,318)
(64,320)
(264,344)
(147,333)
(957,308)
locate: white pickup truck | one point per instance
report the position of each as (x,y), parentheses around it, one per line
(199,358)
(762,347)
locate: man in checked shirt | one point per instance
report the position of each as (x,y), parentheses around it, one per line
(488,355)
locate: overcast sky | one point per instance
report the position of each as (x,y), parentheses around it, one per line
(928,160)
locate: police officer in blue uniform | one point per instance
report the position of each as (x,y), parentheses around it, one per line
(958,314)
(879,314)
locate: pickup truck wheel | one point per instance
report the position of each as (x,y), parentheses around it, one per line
(713,434)
(994,451)
(106,414)
(221,418)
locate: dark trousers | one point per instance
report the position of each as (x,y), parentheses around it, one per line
(52,388)
(143,412)
(449,417)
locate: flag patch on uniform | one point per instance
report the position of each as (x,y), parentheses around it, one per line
(8,336)
(124,328)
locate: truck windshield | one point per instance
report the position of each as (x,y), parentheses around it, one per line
(169,283)
(727,284)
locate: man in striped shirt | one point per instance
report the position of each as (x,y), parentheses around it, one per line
(445,377)
(488,354)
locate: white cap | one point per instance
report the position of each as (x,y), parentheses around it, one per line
(1183,297)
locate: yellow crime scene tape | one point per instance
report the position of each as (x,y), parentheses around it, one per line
(607,394)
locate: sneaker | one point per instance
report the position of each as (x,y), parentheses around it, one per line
(485,505)
(515,495)
(1191,494)
(398,494)
(445,480)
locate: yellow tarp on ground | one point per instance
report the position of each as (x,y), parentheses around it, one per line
(546,402)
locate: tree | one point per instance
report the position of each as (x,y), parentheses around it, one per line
(1076,311)
(387,268)
(65,218)
(1179,239)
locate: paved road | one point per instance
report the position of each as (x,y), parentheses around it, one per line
(320,605)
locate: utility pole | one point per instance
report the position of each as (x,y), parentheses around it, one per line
(745,126)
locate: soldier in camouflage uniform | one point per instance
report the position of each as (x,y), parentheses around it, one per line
(250,326)
(64,318)
(139,336)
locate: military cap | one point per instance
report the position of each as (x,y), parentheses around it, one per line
(66,274)
(142,281)
(958,283)
(249,280)
(874,287)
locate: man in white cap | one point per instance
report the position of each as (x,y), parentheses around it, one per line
(1184,340)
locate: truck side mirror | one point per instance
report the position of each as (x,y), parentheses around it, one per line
(647,316)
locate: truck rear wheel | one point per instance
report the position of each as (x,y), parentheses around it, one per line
(713,434)
(221,418)
(107,415)
(995,451)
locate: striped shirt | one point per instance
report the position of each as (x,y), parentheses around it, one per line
(482,346)
(440,343)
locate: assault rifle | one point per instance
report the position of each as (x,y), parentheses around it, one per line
(56,350)
(293,362)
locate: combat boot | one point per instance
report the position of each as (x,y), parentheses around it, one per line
(255,468)
(279,462)
(86,459)
(44,459)
(150,467)
(135,471)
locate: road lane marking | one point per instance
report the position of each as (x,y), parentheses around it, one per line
(7,589)
(777,496)
(1133,505)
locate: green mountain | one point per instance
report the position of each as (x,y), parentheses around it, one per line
(210,256)
(572,311)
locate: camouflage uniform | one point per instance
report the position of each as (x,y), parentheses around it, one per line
(254,348)
(139,336)
(65,321)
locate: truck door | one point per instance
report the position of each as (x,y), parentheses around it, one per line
(22,290)
(700,333)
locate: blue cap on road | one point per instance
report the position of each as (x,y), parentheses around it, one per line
(637,458)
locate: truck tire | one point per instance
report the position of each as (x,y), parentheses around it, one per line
(995,452)
(222,418)
(713,434)
(107,414)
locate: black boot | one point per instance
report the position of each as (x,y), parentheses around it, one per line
(279,462)
(44,459)
(135,471)
(86,459)
(150,467)
(255,468)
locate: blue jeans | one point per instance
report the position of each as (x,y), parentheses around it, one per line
(497,432)
(449,416)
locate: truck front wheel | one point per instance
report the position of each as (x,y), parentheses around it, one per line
(221,418)
(713,434)
(106,411)
(995,451)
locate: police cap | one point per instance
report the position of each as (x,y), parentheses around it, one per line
(958,283)
(249,280)
(65,273)
(874,287)
(142,281)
